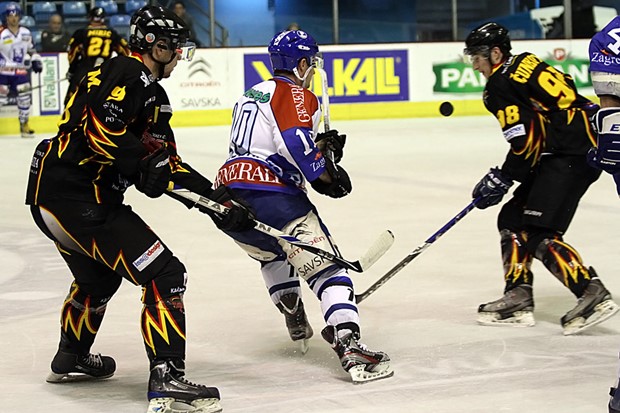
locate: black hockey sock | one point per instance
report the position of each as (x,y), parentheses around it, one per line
(516,259)
(564,262)
(80,319)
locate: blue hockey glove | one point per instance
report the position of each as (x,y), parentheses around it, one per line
(491,188)
(607,155)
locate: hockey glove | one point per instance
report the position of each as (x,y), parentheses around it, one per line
(607,155)
(240,216)
(339,187)
(37,64)
(154,173)
(331,142)
(491,188)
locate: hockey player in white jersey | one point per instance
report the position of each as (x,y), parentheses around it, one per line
(17,59)
(275,151)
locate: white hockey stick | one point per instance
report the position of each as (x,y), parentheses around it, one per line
(324,91)
(376,251)
(419,250)
(53,82)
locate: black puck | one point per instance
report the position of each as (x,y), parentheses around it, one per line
(446,108)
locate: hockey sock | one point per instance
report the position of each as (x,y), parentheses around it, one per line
(564,262)
(516,259)
(163,324)
(80,319)
(337,298)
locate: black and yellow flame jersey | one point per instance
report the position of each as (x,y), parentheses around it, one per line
(91,46)
(118,115)
(539,110)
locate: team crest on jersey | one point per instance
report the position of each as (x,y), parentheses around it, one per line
(147,79)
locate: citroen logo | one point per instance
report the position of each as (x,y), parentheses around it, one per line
(199,66)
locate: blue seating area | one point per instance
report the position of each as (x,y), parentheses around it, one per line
(36,14)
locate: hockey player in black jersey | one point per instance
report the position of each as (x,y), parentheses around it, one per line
(546,123)
(91,46)
(115,133)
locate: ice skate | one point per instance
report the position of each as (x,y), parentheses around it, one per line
(362,364)
(69,367)
(170,392)
(25,130)
(296,320)
(614,400)
(593,307)
(515,308)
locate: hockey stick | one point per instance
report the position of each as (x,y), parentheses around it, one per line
(48,83)
(324,91)
(419,250)
(376,251)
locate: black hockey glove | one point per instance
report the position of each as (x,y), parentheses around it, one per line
(491,188)
(240,216)
(331,141)
(154,173)
(339,187)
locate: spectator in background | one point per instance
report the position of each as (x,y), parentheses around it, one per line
(293,26)
(55,38)
(583,23)
(179,9)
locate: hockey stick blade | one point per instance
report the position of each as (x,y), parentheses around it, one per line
(376,251)
(413,254)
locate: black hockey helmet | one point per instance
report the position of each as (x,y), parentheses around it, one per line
(152,23)
(96,14)
(485,37)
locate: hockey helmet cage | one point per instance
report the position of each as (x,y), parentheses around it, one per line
(290,46)
(153,23)
(485,37)
(96,14)
(11,9)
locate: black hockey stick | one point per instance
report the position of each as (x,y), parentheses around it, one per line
(376,251)
(419,250)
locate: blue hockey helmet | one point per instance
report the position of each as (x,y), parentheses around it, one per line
(11,9)
(290,46)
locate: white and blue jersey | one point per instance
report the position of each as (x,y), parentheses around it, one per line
(605,49)
(272,139)
(14,51)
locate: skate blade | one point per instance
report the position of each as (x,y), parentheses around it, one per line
(170,405)
(518,319)
(381,371)
(73,377)
(602,312)
(304,345)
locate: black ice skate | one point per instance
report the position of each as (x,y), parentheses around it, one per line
(362,364)
(614,400)
(170,392)
(515,308)
(593,307)
(69,367)
(296,320)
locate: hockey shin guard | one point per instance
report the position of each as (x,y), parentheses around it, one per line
(564,262)
(516,259)
(80,319)
(163,323)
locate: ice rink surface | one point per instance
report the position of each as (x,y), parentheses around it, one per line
(410,176)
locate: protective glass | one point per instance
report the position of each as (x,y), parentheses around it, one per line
(186,51)
(474,54)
